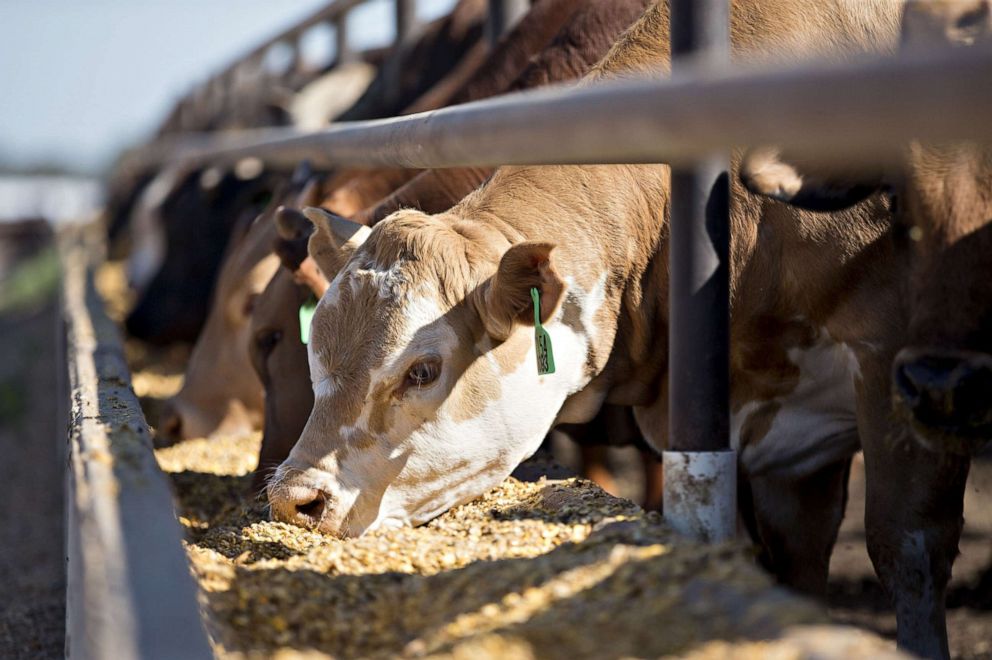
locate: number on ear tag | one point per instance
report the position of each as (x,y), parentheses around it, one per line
(542,340)
(306,317)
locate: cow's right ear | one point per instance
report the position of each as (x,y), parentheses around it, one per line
(766,172)
(334,239)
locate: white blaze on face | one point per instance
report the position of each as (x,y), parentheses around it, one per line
(147,233)
(393,455)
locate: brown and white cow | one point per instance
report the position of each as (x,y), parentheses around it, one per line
(590,28)
(423,361)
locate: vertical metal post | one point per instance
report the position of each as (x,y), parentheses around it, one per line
(341,42)
(503,14)
(406,19)
(700,468)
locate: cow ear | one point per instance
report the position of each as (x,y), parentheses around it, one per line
(506,297)
(334,239)
(292,235)
(814,188)
(928,25)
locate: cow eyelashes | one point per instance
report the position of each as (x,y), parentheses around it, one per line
(423,373)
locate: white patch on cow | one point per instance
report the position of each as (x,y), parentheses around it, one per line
(318,372)
(211,178)
(387,281)
(249,168)
(816,423)
(147,233)
(328,96)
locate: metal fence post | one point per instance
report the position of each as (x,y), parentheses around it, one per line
(502,15)
(342,45)
(700,469)
(406,19)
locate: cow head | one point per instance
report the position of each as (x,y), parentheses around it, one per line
(422,362)
(191,225)
(220,391)
(942,212)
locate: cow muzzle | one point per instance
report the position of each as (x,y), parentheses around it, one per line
(298,502)
(946,397)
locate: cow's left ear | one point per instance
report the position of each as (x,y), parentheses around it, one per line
(333,240)
(506,298)
(766,172)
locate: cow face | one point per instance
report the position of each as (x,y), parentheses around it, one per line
(942,213)
(278,353)
(423,367)
(280,360)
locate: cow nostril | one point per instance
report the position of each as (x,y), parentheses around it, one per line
(313,509)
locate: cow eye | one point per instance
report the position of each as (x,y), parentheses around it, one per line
(266,340)
(423,373)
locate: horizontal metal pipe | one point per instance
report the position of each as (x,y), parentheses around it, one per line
(835,112)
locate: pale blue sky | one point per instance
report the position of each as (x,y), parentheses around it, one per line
(81,78)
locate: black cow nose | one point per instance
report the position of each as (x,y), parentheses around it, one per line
(946,392)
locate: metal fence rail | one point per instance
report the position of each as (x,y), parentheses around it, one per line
(857,112)
(129,591)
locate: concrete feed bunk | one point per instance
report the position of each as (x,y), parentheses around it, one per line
(549,568)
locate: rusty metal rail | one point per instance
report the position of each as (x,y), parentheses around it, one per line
(129,590)
(860,112)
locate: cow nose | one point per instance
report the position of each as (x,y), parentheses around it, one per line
(946,392)
(298,505)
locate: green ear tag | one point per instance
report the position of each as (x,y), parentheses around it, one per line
(306,316)
(542,340)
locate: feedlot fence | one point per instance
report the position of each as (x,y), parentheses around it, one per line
(860,113)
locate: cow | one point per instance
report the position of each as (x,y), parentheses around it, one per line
(196,220)
(220,355)
(422,360)
(941,377)
(589,29)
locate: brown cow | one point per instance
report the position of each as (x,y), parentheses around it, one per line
(942,377)
(423,366)
(590,30)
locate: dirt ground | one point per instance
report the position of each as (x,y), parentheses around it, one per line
(855,595)
(32,582)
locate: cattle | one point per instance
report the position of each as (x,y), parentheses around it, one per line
(221,352)
(174,307)
(590,28)
(943,200)
(200,408)
(423,366)
(416,67)
(196,220)
(941,377)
